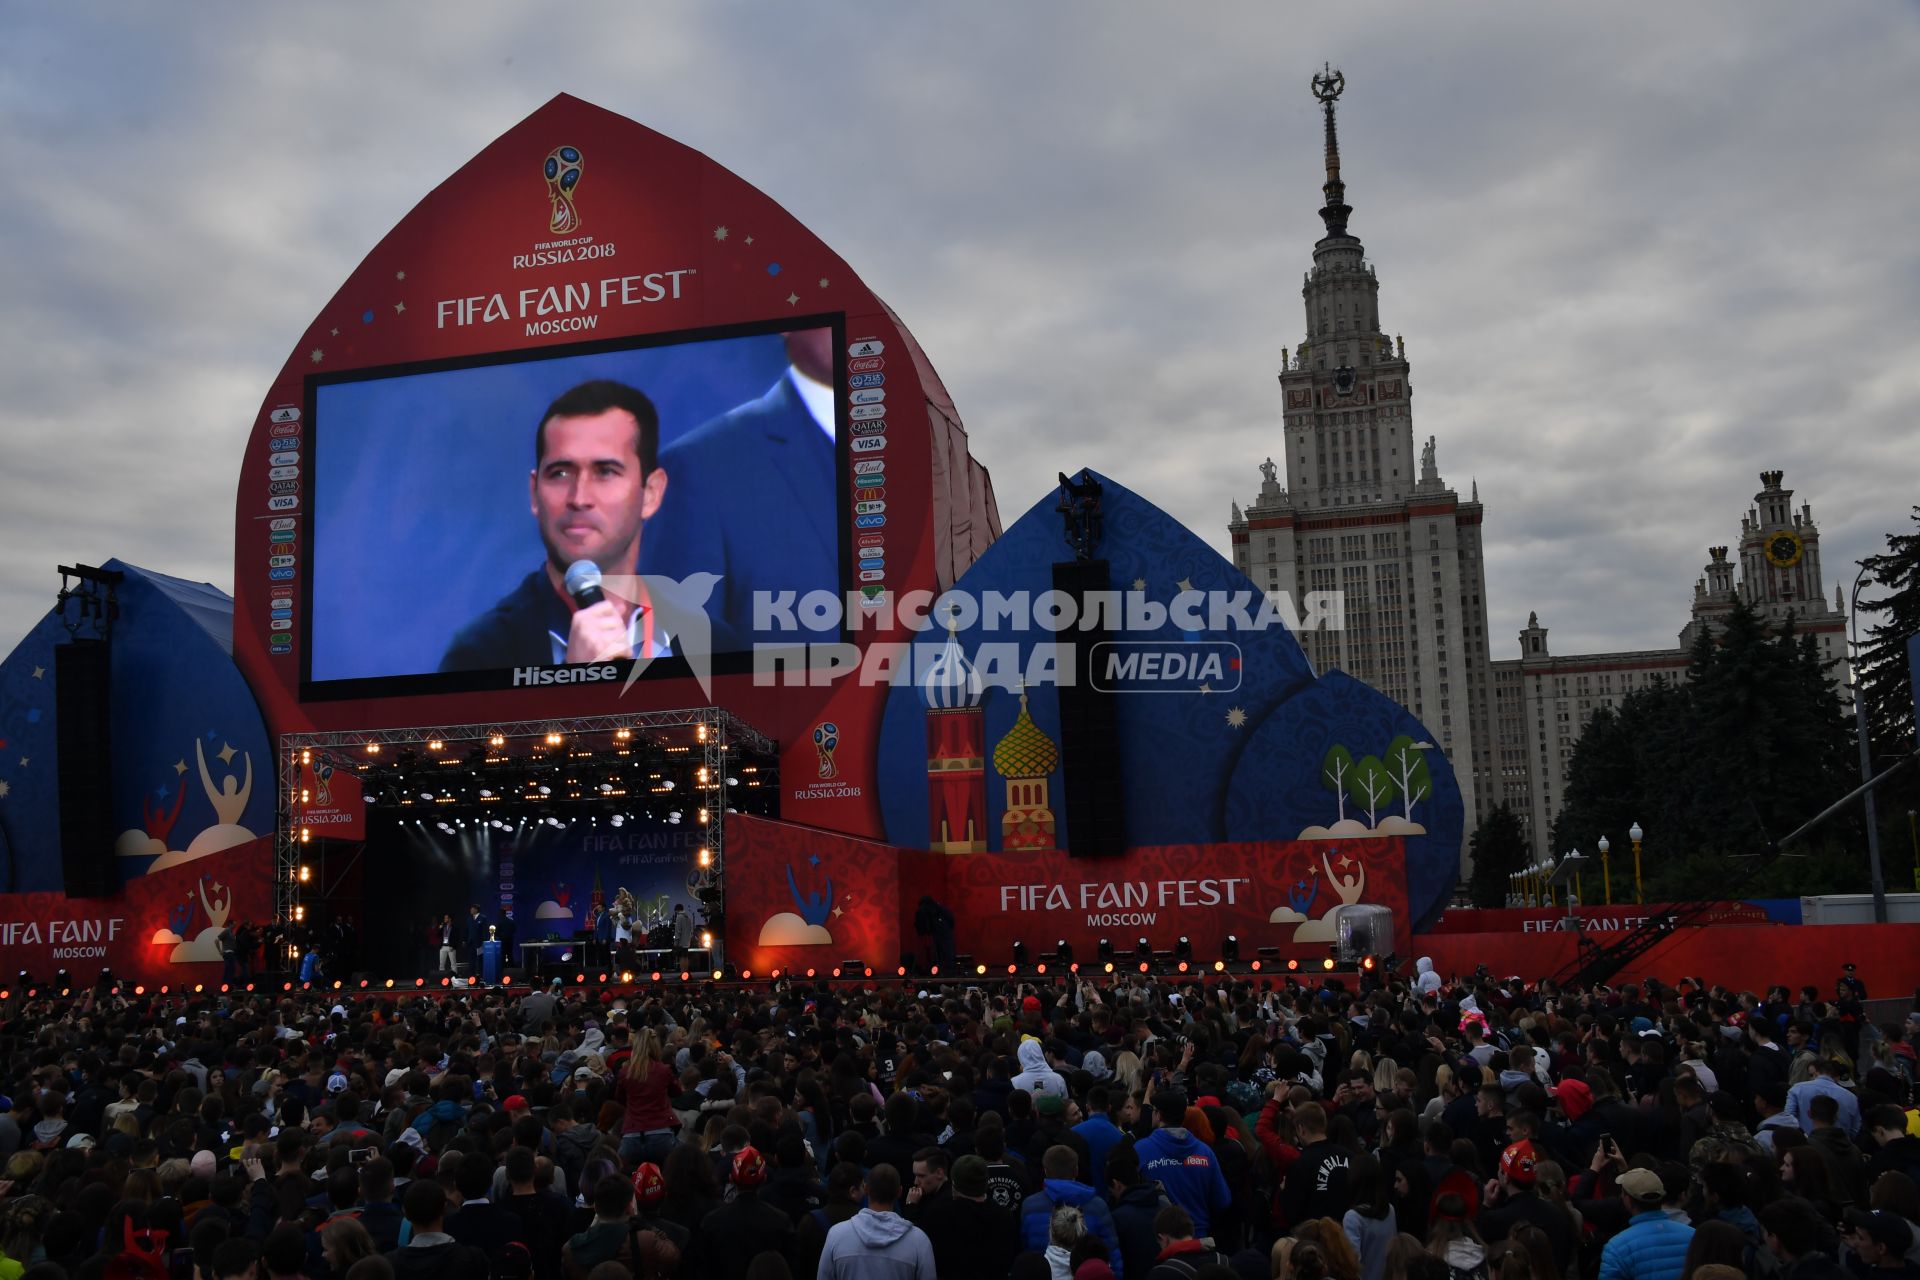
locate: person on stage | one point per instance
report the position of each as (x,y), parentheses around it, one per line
(449,958)
(595,483)
(682,932)
(476,936)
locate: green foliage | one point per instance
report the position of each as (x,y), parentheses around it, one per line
(1336,774)
(1408,765)
(1716,769)
(1372,786)
(1499,848)
(1884,674)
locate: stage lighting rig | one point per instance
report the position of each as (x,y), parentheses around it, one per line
(1020,954)
(1230,949)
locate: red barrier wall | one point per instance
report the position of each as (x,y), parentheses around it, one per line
(1747,957)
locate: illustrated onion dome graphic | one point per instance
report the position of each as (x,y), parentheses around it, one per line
(950,683)
(1026,751)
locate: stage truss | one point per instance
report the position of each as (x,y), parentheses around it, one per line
(715,732)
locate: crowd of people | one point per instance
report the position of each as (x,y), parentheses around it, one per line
(1404,1128)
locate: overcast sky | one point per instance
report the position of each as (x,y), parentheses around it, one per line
(1638,253)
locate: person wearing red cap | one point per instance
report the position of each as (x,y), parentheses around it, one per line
(1512,1201)
(733,1235)
(649,1193)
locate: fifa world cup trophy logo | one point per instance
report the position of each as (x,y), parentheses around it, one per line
(562,169)
(826,736)
(323,783)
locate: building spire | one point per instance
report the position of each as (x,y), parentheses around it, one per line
(1327,84)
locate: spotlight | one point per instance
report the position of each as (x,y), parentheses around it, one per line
(1293,966)
(1063,952)
(1019,955)
(1183,949)
(1143,949)
(1327,964)
(1230,949)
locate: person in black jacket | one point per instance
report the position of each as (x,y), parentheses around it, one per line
(1134,1203)
(478,1221)
(732,1236)
(432,1254)
(971,1236)
(1513,1202)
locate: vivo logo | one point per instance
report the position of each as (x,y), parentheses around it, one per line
(280,575)
(869,522)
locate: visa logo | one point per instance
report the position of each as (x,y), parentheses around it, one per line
(285,458)
(867,347)
(285,413)
(280,575)
(867,466)
(279,562)
(872,575)
(866,364)
(873,396)
(289,502)
(869,444)
(283,473)
(868,508)
(868,411)
(869,522)
(869,428)
(282,522)
(867,380)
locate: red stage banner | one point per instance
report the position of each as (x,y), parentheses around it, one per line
(331,806)
(1590,919)
(800,897)
(163,927)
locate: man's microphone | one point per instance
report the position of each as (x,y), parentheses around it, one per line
(583,583)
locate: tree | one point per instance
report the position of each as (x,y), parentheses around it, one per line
(1372,786)
(1408,765)
(1499,848)
(1717,768)
(1335,772)
(1885,677)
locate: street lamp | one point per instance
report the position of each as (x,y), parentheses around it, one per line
(1578,895)
(1634,833)
(1866,750)
(1606,873)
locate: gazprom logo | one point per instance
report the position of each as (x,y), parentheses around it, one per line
(1166,666)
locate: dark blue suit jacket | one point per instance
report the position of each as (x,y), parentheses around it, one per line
(514,632)
(752,496)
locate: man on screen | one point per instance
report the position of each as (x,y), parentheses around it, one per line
(594,484)
(755,496)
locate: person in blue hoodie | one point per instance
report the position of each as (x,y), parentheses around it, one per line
(1060,1164)
(1185,1167)
(1099,1132)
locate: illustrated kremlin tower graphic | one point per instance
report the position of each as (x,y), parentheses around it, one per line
(1024,758)
(956,755)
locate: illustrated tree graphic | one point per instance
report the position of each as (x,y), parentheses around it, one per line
(1408,765)
(1336,772)
(1372,786)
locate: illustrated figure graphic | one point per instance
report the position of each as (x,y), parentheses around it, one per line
(808,928)
(1300,899)
(1349,887)
(229,800)
(159,820)
(216,900)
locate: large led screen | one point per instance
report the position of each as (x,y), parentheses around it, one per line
(448,502)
